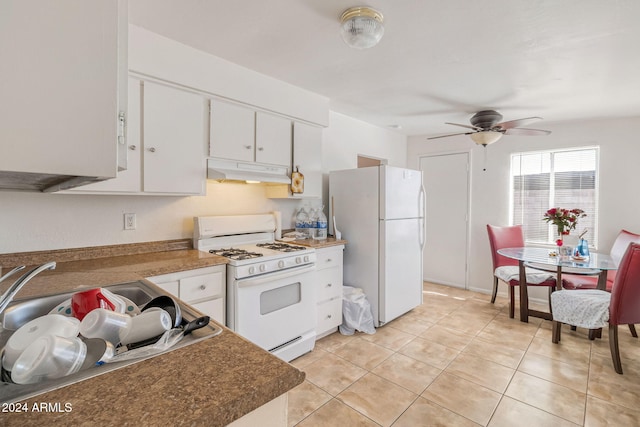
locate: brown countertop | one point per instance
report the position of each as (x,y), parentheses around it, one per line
(210,383)
(319,244)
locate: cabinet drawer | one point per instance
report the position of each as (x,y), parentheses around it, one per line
(200,287)
(329,284)
(329,315)
(212,308)
(173,287)
(328,258)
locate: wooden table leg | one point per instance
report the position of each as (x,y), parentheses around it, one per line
(559,278)
(602,280)
(524,294)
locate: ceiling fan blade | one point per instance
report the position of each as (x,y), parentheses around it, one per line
(451,134)
(528,132)
(517,123)
(464,126)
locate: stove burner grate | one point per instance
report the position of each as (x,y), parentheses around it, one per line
(234,253)
(282,247)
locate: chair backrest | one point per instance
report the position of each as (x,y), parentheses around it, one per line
(619,247)
(624,308)
(504,237)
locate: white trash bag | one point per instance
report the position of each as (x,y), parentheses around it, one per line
(356,312)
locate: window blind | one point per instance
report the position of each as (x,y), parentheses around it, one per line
(546,179)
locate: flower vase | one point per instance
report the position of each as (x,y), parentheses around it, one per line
(560,239)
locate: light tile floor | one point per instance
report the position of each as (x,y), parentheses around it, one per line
(458,360)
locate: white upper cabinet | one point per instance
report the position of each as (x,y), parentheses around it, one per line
(307,158)
(273,139)
(166,143)
(232,131)
(240,133)
(63,70)
(174,140)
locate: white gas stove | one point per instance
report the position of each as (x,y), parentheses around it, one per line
(270,285)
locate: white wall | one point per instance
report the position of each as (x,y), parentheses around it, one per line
(346,138)
(619,203)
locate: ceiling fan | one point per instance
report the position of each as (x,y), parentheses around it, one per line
(486,127)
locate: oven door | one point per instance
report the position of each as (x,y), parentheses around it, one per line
(277,308)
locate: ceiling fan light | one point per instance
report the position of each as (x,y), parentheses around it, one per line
(361,27)
(486,137)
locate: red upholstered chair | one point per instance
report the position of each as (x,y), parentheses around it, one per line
(573,281)
(594,308)
(506,269)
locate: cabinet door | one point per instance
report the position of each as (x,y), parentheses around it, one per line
(273,139)
(173,140)
(232,131)
(307,156)
(129,180)
(59,93)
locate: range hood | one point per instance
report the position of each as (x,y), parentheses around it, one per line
(232,170)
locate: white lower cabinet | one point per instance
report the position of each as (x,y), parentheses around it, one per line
(202,288)
(329,289)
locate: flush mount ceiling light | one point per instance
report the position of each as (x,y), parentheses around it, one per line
(486,137)
(361,27)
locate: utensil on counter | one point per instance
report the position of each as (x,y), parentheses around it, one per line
(336,233)
(166,341)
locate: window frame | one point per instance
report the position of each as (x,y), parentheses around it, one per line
(592,236)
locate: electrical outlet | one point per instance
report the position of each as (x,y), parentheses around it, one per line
(129,221)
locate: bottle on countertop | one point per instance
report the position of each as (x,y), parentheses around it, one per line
(302,219)
(313,220)
(321,225)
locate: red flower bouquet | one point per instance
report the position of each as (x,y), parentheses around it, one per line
(564,219)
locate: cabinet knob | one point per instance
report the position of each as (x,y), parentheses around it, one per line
(203,287)
(248,147)
(328,316)
(329,285)
(132,147)
(260,148)
(329,260)
(152,149)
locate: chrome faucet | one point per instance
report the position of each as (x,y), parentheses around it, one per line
(8,296)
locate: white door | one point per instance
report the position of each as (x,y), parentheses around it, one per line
(174,140)
(273,139)
(446,182)
(400,268)
(400,193)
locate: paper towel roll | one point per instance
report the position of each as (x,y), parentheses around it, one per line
(278,217)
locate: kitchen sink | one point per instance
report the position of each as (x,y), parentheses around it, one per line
(22,311)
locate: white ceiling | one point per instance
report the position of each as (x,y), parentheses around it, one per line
(439,61)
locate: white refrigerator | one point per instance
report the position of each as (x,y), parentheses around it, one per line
(380,211)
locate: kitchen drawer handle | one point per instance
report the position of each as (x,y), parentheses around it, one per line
(132,147)
(203,287)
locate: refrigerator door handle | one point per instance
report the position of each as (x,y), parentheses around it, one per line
(422,200)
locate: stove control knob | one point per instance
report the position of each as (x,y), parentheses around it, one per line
(252,270)
(281,264)
(298,260)
(306,258)
(263,267)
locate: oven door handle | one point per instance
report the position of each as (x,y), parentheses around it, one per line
(242,283)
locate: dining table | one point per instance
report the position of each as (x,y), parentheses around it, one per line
(551,260)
